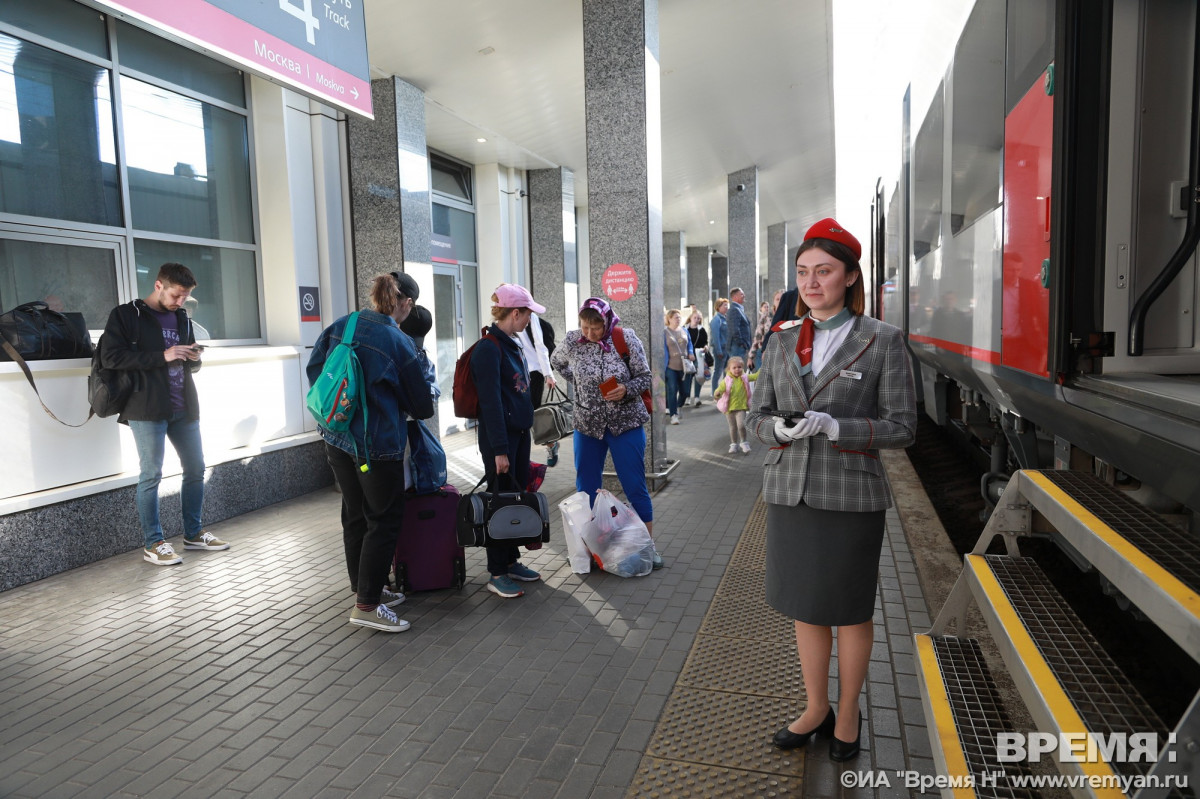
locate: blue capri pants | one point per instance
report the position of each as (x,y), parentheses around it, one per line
(629,457)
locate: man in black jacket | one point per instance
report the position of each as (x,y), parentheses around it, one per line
(155,339)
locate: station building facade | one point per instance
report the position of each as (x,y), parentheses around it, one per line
(121,150)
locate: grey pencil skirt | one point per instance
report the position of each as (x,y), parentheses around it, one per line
(823,565)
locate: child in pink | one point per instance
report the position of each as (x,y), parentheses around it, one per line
(733,400)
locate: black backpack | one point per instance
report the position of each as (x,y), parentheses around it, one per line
(547,334)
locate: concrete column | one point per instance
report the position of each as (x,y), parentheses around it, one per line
(553,270)
(699,279)
(624,159)
(389,189)
(720,277)
(779,271)
(743,236)
(674,268)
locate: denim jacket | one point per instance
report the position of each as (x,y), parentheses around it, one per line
(395,384)
(720,335)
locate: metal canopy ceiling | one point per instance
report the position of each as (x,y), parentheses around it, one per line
(743,83)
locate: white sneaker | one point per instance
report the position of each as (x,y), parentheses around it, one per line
(733,448)
(675,419)
(163,554)
(746,447)
(391,598)
(381,618)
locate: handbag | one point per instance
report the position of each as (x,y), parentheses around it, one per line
(427,459)
(554,419)
(512,518)
(689,367)
(33,331)
(37,333)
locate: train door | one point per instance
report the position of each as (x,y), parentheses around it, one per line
(1028,168)
(1153,220)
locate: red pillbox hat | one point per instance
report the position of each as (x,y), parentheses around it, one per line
(828,228)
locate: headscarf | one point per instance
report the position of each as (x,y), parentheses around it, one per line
(611,319)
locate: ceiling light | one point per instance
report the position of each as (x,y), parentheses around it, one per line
(487,51)
(712,221)
(481,140)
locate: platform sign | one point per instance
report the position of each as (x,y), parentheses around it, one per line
(318,47)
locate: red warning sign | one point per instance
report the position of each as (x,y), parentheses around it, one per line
(619,282)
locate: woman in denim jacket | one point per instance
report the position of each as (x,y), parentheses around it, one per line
(373,500)
(608,420)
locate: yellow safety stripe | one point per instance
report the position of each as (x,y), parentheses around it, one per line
(1155,573)
(943,717)
(1066,718)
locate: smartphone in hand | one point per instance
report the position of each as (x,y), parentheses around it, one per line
(608,385)
(791,416)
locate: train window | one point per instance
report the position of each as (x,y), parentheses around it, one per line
(977,118)
(927,179)
(1030,46)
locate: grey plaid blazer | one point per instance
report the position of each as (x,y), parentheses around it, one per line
(868,387)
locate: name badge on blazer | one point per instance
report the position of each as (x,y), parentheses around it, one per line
(851,375)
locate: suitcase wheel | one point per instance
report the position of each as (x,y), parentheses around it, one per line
(460,571)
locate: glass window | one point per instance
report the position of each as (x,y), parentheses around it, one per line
(927,181)
(65,277)
(977,129)
(188,165)
(449,178)
(459,225)
(154,55)
(226,284)
(57,151)
(1030,46)
(61,20)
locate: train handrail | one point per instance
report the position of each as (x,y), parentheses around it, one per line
(1191,236)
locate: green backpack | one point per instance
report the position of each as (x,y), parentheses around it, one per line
(338,392)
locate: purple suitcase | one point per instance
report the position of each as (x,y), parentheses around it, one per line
(428,556)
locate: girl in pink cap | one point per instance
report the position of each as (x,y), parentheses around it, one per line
(505,416)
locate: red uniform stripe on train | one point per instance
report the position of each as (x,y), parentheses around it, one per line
(966,350)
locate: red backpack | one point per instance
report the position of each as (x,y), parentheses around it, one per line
(618,337)
(466,398)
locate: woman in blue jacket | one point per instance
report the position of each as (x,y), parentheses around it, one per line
(505,416)
(373,500)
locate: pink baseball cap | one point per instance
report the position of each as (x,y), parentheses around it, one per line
(510,295)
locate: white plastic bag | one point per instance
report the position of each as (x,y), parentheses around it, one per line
(618,539)
(577,514)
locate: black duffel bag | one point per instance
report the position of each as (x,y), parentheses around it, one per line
(512,518)
(40,334)
(553,419)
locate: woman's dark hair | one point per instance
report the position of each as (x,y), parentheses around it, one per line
(591,316)
(856,296)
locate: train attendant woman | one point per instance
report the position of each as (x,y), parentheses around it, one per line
(373,500)
(609,413)
(846,380)
(505,416)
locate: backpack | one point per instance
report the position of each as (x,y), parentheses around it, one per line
(547,334)
(466,398)
(109,389)
(618,337)
(336,396)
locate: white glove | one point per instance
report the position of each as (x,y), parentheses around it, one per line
(815,422)
(785,432)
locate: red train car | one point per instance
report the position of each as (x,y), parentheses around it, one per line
(1039,244)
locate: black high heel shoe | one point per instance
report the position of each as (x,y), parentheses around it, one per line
(840,750)
(786,739)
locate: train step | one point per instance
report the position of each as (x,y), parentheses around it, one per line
(966,719)
(1090,721)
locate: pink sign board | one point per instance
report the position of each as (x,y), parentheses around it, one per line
(619,282)
(318,47)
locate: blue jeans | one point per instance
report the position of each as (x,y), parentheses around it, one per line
(718,370)
(674,383)
(151,438)
(629,457)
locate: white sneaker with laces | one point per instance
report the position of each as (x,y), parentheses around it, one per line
(162,554)
(381,618)
(675,419)
(746,447)
(733,448)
